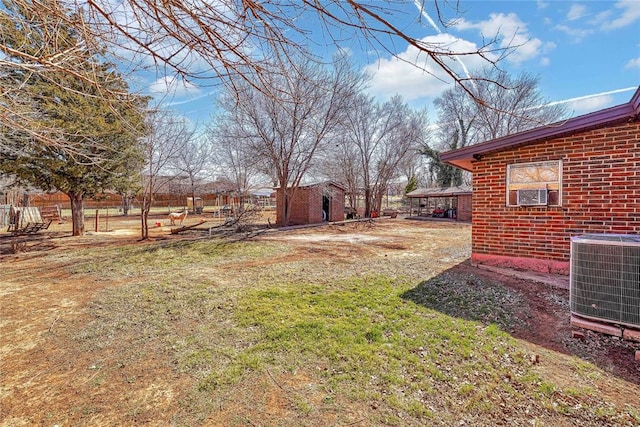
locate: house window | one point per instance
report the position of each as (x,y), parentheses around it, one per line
(534,184)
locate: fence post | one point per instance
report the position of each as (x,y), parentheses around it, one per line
(17,220)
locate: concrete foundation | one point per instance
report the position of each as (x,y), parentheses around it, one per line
(596,326)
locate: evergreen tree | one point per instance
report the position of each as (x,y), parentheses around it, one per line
(411,185)
(443,174)
(91,111)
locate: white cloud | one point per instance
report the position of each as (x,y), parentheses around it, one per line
(510,31)
(629,13)
(633,63)
(542,4)
(602,98)
(546,48)
(601,18)
(623,14)
(576,11)
(590,104)
(211,95)
(174,87)
(526,49)
(414,76)
(577,33)
(549,46)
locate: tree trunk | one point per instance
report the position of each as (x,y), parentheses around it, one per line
(240,202)
(353,200)
(377,200)
(145,207)
(144,218)
(77,212)
(287,205)
(126,204)
(286,218)
(367,202)
(288,193)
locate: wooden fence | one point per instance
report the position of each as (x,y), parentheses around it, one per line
(115,201)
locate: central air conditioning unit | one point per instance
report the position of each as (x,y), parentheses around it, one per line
(532,197)
(605,279)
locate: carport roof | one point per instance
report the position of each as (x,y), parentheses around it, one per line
(440,191)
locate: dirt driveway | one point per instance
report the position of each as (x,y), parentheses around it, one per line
(39,297)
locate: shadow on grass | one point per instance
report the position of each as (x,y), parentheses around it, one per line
(470,297)
(527,310)
(11,244)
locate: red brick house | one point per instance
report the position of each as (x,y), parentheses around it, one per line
(313,204)
(534,190)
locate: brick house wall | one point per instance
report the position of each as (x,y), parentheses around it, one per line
(600,194)
(464,208)
(306,207)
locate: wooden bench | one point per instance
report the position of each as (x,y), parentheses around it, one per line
(27,221)
(30,227)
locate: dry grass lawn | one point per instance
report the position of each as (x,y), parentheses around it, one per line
(363,324)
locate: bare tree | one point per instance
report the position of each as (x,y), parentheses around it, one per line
(235,160)
(384,137)
(341,163)
(286,128)
(516,105)
(192,163)
(168,136)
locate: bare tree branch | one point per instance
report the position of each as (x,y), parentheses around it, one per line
(238,39)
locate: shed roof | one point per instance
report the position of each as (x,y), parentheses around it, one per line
(440,191)
(464,157)
(319,184)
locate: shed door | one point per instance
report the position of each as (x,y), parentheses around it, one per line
(325,208)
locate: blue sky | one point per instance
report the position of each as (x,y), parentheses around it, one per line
(586,51)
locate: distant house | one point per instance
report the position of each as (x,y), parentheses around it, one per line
(454,201)
(313,204)
(264,197)
(534,190)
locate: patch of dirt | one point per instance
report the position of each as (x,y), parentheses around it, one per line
(548,325)
(278,396)
(46,377)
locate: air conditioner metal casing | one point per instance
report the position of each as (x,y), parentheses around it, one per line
(537,197)
(605,278)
